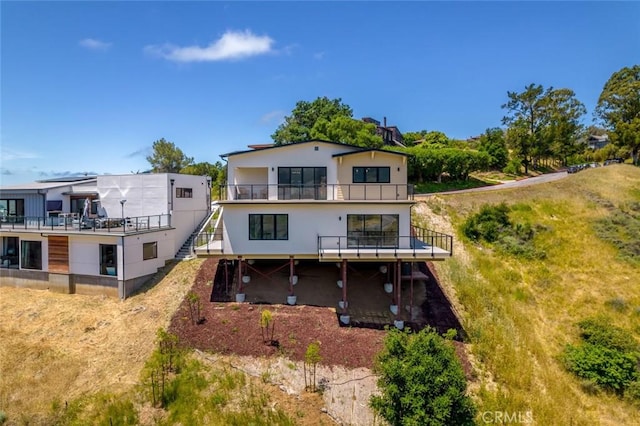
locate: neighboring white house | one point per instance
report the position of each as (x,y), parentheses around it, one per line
(107,234)
(319,200)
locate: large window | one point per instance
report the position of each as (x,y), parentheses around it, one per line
(108,260)
(149,250)
(372,230)
(12,210)
(9,255)
(78,206)
(184,193)
(371,175)
(268,227)
(297,183)
(31,255)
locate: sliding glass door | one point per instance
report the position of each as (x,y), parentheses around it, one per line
(372,230)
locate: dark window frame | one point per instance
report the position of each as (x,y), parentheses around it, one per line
(14,212)
(184,192)
(275,234)
(153,246)
(366,235)
(364,174)
(311,183)
(108,259)
(30,256)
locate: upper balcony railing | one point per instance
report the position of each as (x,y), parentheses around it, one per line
(330,192)
(125,225)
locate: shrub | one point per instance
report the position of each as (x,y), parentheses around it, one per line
(607,356)
(598,331)
(488,223)
(513,167)
(608,368)
(632,393)
(421,381)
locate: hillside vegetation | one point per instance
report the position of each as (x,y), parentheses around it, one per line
(521,311)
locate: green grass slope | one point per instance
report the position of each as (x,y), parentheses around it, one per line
(520,313)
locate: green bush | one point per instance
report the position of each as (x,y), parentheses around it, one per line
(421,381)
(607,357)
(608,368)
(513,167)
(488,223)
(599,331)
(632,393)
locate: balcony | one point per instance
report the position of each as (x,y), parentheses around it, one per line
(128,225)
(423,244)
(328,192)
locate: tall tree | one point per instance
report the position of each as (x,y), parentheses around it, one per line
(347,130)
(493,142)
(526,119)
(297,126)
(619,108)
(564,115)
(167,158)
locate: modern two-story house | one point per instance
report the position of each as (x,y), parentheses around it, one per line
(320,200)
(99,234)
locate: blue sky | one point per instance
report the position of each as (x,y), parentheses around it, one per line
(87,87)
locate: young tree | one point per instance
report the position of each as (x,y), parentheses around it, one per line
(168,158)
(421,381)
(526,119)
(619,109)
(297,126)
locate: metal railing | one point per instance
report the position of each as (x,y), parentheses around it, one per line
(421,240)
(116,225)
(352,191)
(208,241)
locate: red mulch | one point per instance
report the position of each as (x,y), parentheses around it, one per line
(232,328)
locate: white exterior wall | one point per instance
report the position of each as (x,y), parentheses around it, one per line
(135,266)
(150,194)
(294,155)
(84,254)
(307,221)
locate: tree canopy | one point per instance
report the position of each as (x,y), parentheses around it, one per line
(421,381)
(542,123)
(619,108)
(297,126)
(347,130)
(492,142)
(167,157)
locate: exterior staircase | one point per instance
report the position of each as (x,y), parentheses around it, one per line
(186,251)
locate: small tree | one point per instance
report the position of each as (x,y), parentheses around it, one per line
(195,307)
(165,360)
(266,321)
(311,359)
(421,381)
(167,157)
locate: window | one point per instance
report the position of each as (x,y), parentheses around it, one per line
(378,230)
(268,227)
(149,250)
(184,193)
(9,254)
(31,255)
(108,260)
(371,175)
(77,206)
(12,210)
(298,183)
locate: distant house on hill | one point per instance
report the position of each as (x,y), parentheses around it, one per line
(390,134)
(597,141)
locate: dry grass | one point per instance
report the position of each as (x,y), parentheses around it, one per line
(57,346)
(521,313)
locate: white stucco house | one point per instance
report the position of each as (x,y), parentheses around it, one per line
(319,200)
(97,234)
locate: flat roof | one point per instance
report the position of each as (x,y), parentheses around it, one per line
(246,151)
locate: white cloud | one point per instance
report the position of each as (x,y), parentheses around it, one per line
(273,116)
(9,154)
(318,56)
(232,45)
(94,44)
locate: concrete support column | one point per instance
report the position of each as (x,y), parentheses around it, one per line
(291,274)
(240,265)
(399,288)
